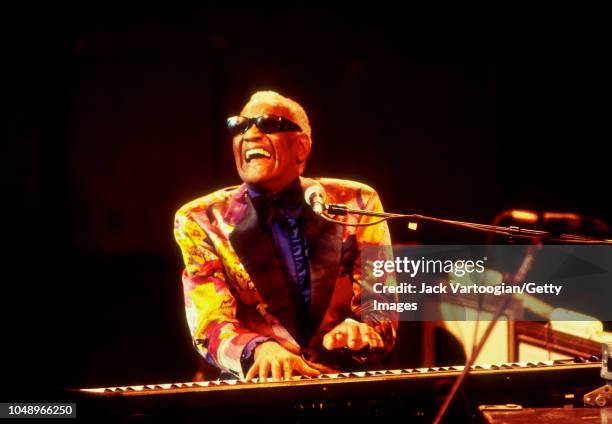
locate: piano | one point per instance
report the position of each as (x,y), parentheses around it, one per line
(413,394)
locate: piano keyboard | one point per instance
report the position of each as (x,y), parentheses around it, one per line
(407,374)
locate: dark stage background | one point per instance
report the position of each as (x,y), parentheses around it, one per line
(116,120)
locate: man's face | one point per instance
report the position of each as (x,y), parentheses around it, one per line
(281,155)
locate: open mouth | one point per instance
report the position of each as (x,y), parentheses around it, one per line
(256,153)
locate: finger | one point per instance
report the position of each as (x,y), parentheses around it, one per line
(354,338)
(264,370)
(335,340)
(305,369)
(276,371)
(379,341)
(328,341)
(288,369)
(252,372)
(340,340)
(367,336)
(365,341)
(375,339)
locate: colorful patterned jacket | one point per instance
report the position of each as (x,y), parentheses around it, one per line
(234,289)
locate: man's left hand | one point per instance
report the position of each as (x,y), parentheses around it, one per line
(353,335)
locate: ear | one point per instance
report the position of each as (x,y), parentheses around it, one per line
(302,146)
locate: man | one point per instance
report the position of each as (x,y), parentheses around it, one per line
(271,288)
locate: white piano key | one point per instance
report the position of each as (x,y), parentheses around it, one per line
(96,390)
(202,383)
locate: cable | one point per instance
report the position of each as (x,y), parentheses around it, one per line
(520,275)
(346,224)
(340,210)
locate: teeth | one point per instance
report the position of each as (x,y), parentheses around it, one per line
(256,153)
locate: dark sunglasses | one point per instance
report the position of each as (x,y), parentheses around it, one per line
(267,124)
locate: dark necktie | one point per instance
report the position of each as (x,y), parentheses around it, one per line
(284,208)
(299,250)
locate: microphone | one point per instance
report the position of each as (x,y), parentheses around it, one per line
(315,197)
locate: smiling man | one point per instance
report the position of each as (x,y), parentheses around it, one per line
(271,288)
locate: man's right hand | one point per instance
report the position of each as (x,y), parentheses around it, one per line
(271,356)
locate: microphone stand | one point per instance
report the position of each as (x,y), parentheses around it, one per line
(512,231)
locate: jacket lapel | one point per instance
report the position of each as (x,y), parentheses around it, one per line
(325,241)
